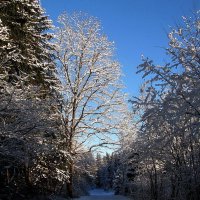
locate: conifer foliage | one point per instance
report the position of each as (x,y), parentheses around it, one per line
(30,160)
(25,45)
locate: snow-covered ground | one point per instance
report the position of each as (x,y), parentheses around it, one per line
(99,194)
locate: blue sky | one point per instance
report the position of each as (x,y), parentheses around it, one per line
(136,26)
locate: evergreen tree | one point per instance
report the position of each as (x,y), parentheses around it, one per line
(27,51)
(32,156)
(98,170)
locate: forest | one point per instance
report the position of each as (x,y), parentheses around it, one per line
(66,124)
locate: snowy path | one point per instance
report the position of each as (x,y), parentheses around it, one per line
(99,194)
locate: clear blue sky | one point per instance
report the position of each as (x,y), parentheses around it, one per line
(136,26)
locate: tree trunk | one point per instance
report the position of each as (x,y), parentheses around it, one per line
(69,184)
(28,179)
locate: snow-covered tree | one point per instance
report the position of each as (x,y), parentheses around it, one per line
(169,110)
(31,142)
(90,78)
(26,48)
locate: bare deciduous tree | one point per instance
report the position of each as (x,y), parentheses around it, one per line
(91,84)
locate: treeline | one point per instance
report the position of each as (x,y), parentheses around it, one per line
(59,90)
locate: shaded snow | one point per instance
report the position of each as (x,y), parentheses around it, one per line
(99,194)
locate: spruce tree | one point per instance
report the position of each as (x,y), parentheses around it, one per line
(28,41)
(30,137)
